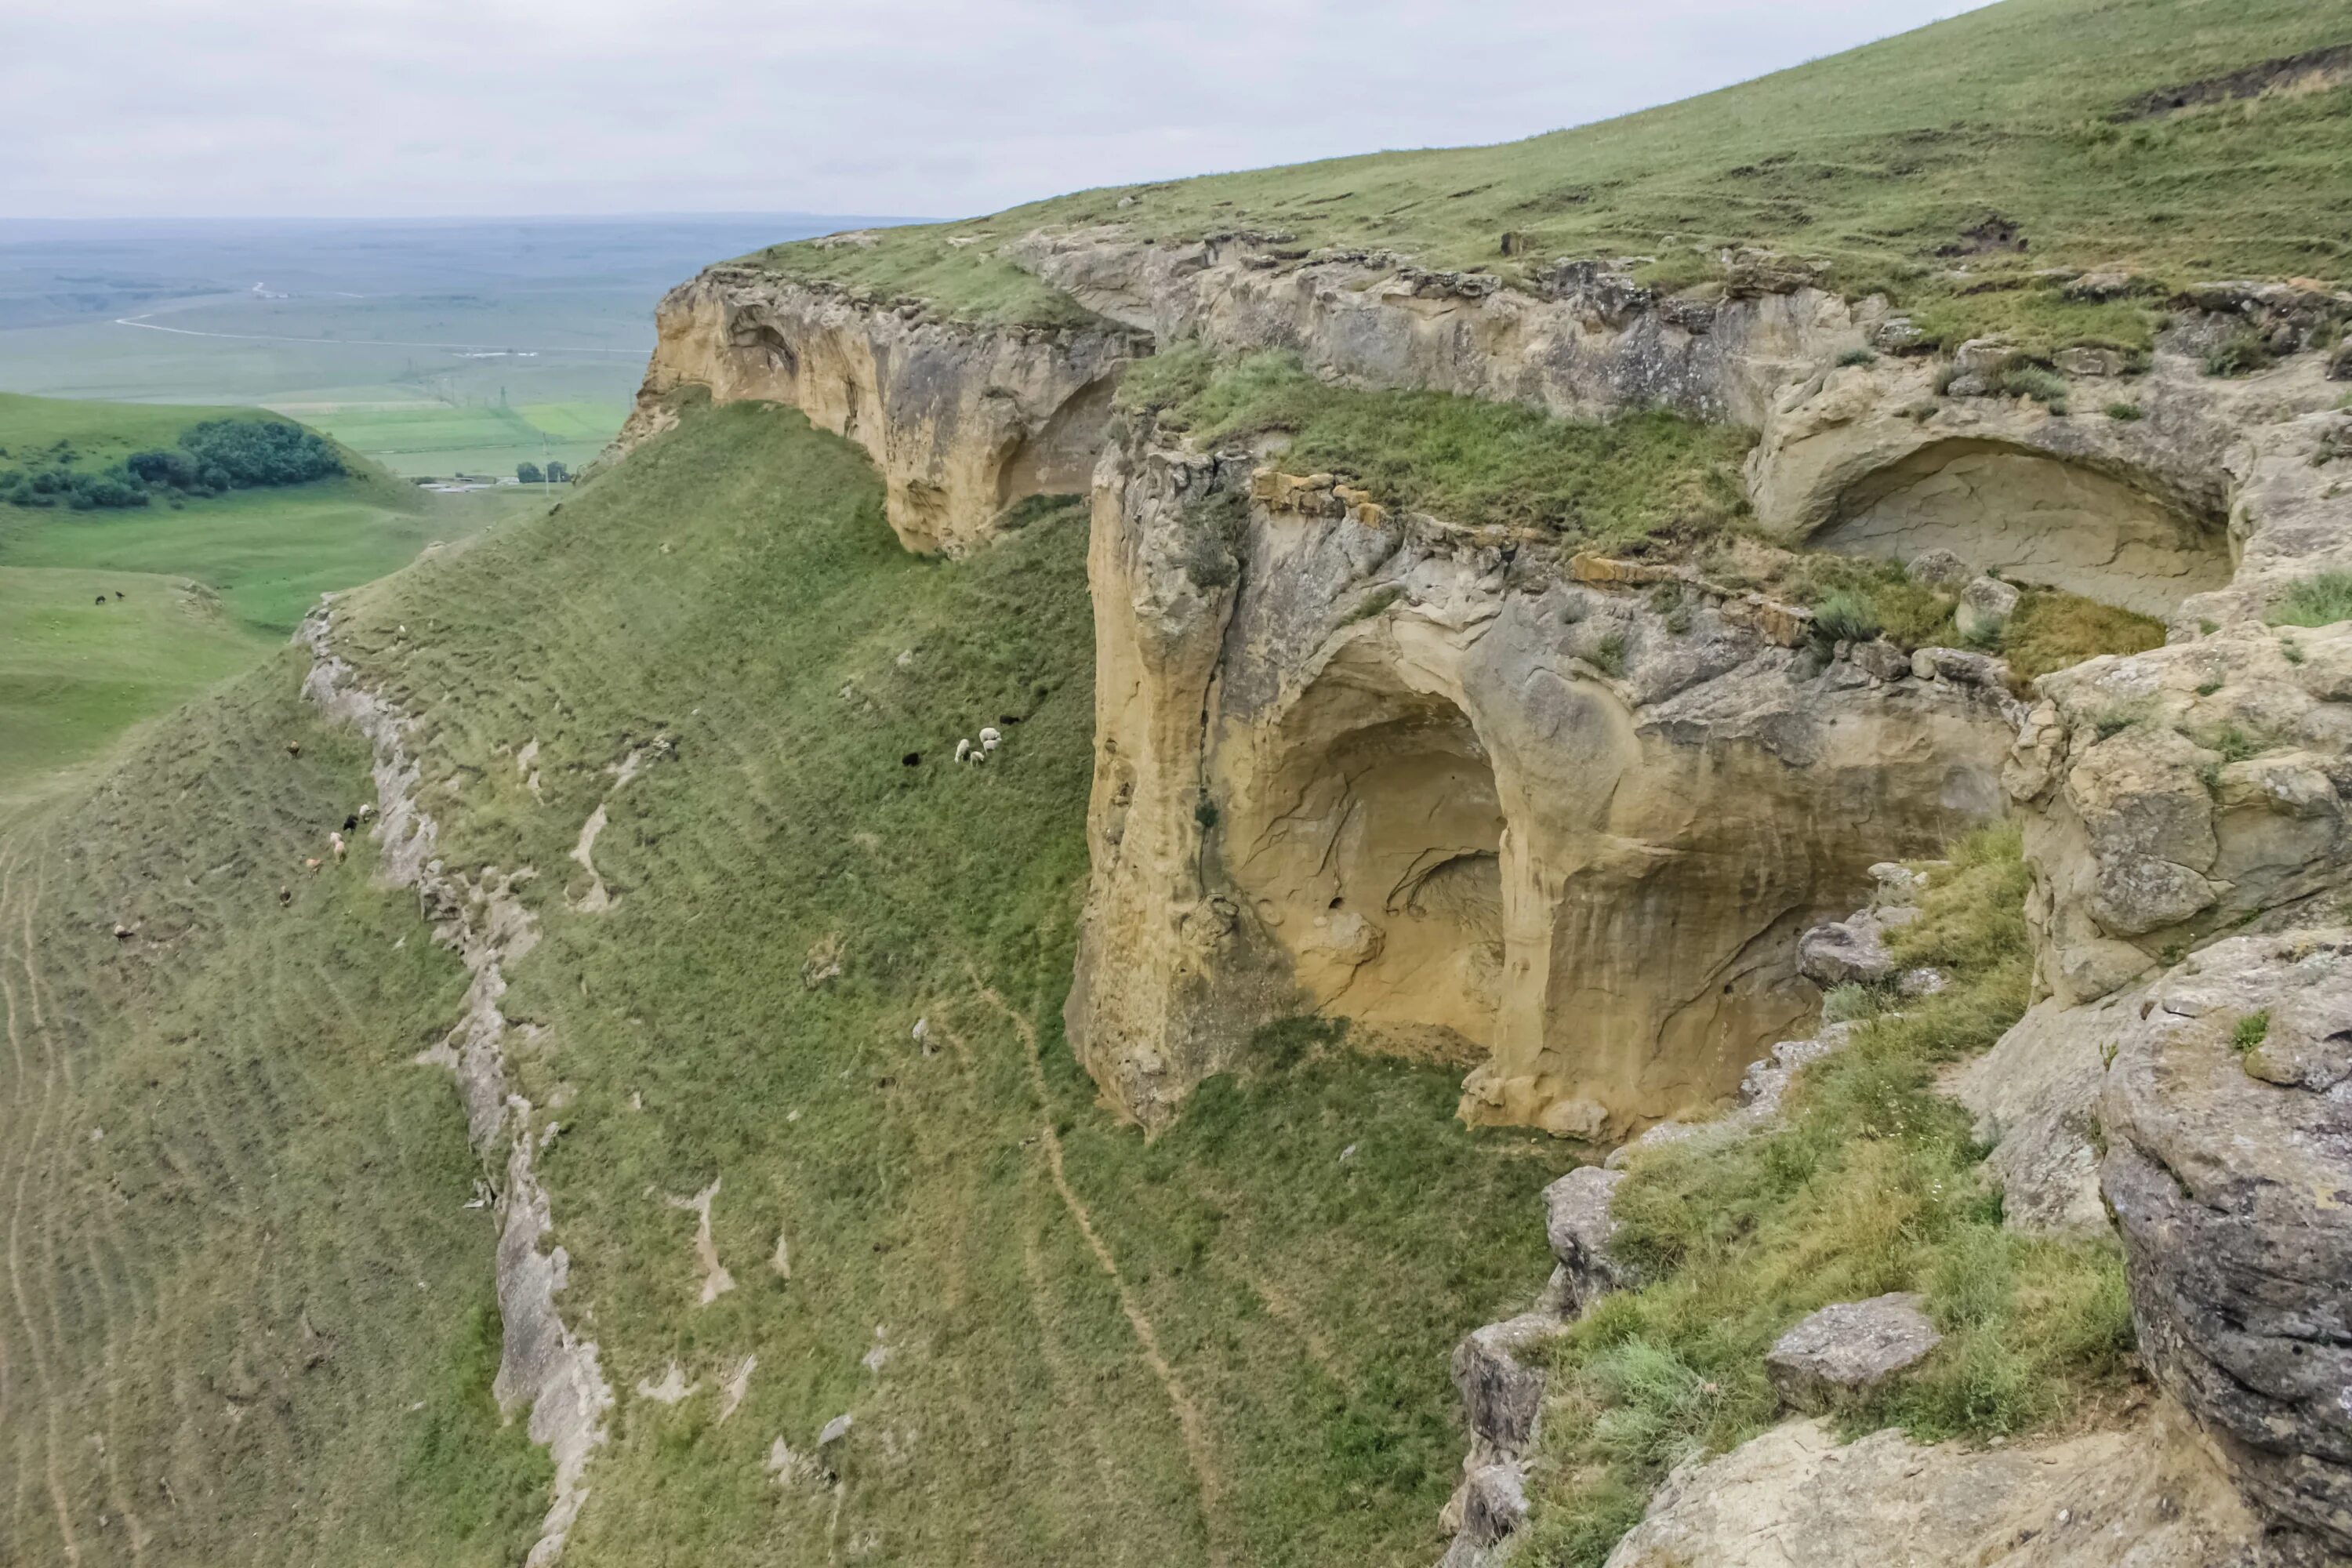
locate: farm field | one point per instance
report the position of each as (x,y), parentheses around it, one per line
(207,589)
(431,348)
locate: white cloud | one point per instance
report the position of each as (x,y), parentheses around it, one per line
(448,106)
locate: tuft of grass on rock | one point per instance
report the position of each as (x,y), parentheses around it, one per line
(2241,353)
(2051,630)
(1846,615)
(2320,600)
(2040,382)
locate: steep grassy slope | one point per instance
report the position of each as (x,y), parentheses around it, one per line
(1876,160)
(1058,1344)
(247,1317)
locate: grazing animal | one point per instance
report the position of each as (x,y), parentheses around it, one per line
(101,598)
(335,842)
(118,593)
(978,754)
(351,822)
(367,809)
(964,750)
(989,737)
(284,896)
(310,863)
(293,748)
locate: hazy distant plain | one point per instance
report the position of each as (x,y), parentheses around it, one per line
(436,348)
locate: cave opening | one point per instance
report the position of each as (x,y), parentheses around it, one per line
(2035,520)
(1378,865)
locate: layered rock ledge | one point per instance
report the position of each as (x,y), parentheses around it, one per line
(964,422)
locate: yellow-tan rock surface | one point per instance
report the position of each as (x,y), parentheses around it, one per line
(1395,774)
(964,422)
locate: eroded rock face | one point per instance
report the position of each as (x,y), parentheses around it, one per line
(1585,340)
(2199,508)
(2176,794)
(964,422)
(2228,1113)
(1420,777)
(2035,1096)
(2146,1497)
(1579,1226)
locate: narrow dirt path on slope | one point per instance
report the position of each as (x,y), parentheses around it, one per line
(1188,1416)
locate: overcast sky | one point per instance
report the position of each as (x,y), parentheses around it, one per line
(418,108)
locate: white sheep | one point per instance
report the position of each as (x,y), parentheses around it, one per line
(964,750)
(989,739)
(978,754)
(367,809)
(335,842)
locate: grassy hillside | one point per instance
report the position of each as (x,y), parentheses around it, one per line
(208,586)
(1875,161)
(248,1318)
(1059,1343)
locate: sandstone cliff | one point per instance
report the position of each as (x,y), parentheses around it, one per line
(1561,818)
(962,422)
(1429,780)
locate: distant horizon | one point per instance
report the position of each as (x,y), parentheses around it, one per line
(455,220)
(122,110)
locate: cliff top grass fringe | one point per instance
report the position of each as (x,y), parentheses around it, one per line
(1945,166)
(1612,483)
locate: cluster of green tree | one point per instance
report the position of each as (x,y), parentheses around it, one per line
(556,473)
(212,459)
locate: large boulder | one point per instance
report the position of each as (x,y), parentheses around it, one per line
(2228,1114)
(1853,949)
(2146,1496)
(1842,1351)
(2178,794)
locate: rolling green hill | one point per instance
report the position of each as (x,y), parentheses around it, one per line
(207,586)
(1879,161)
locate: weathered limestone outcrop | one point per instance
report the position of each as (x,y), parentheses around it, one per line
(962,421)
(2146,512)
(1421,777)
(546,1368)
(2149,1496)
(2177,794)
(1499,1369)
(1583,340)
(2035,1095)
(2228,1114)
